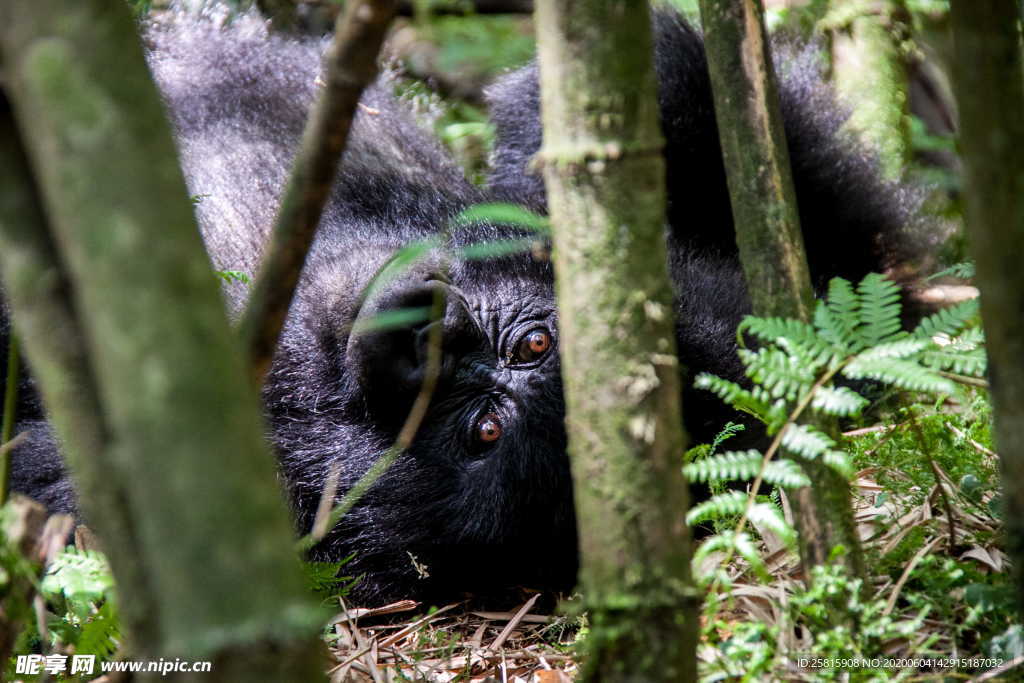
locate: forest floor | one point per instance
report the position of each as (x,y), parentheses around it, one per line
(934,532)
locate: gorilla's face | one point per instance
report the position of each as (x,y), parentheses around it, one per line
(485,482)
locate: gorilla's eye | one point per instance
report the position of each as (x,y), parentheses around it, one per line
(531,346)
(488,428)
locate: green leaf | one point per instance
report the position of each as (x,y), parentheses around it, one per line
(727,504)
(879,309)
(805,440)
(730,430)
(506,214)
(779,372)
(80,577)
(495,249)
(726,466)
(785,473)
(233,276)
(746,549)
(733,394)
(972,363)
(400,262)
(899,373)
(900,348)
(772,330)
(837,317)
(948,321)
(391,320)
(839,462)
(839,401)
(768,516)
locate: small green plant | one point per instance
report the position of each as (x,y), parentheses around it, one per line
(78,607)
(856,336)
(865,627)
(327,580)
(79,587)
(230,276)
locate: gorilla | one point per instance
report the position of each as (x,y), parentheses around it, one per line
(481,503)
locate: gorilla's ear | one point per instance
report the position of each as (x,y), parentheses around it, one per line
(388,344)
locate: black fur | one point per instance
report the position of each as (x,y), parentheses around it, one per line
(480,517)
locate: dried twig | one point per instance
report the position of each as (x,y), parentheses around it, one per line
(351,66)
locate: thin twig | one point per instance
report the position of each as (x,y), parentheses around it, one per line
(977,446)
(351,65)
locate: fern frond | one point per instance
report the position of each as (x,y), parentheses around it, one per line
(727,466)
(727,504)
(899,348)
(722,542)
(838,401)
(879,309)
(769,517)
(733,394)
(785,473)
(101,633)
(899,373)
(771,330)
(947,321)
(806,440)
(839,462)
(836,319)
(971,363)
(730,430)
(745,548)
(729,543)
(779,372)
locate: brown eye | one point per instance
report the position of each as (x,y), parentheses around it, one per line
(532,346)
(488,428)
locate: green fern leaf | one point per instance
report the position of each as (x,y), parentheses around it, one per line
(780,373)
(785,473)
(727,504)
(839,462)
(771,330)
(727,466)
(839,401)
(730,430)
(100,634)
(745,548)
(806,440)
(899,348)
(899,373)
(836,319)
(971,363)
(879,309)
(734,394)
(722,542)
(769,517)
(948,321)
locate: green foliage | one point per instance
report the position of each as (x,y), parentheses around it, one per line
(79,599)
(856,334)
(867,625)
(964,270)
(79,587)
(233,276)
(507,214)
(480,46)
(750,651)
(326,580)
